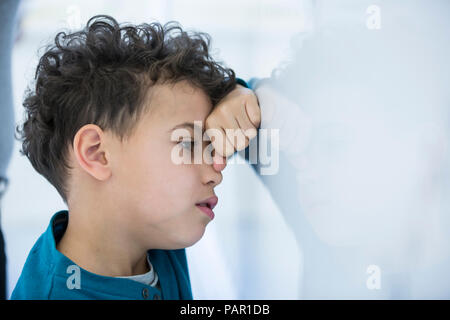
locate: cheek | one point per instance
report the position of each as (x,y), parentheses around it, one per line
(162,188)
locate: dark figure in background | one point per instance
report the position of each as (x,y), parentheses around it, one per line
(8,9)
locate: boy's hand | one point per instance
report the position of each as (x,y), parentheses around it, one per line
(237,117)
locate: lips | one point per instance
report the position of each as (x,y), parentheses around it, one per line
(207,206)
(210,202)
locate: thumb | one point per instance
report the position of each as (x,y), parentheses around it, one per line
(219,162)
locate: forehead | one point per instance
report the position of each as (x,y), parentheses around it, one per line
(171,104)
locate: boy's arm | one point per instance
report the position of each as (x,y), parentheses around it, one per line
(273,109)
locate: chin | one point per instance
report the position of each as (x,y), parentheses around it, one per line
(195,238)
(188,239)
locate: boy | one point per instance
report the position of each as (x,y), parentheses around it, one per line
(99,126)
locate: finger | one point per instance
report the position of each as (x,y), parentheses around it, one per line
(253,111)
(236,136)
(246,125)
(219,162)
(241,139)
(220,142)
(227,125)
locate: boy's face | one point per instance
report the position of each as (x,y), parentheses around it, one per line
(155,197)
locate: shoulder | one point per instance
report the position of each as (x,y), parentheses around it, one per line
(36,278)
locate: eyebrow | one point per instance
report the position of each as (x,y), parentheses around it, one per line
(189,125)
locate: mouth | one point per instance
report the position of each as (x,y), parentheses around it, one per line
(207,206)
(209,203)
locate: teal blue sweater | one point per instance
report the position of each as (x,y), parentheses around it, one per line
(48,274)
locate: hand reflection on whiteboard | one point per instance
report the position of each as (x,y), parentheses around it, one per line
(363,121)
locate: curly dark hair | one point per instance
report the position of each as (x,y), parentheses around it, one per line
(100,75)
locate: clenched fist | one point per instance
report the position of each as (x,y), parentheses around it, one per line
(236,119)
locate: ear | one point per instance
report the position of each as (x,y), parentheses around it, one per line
(90,152)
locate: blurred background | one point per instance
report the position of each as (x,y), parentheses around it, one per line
(247,252)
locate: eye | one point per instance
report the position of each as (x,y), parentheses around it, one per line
(188,145)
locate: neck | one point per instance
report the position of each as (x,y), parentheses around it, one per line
(98,244)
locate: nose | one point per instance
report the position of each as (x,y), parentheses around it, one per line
(210,174)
